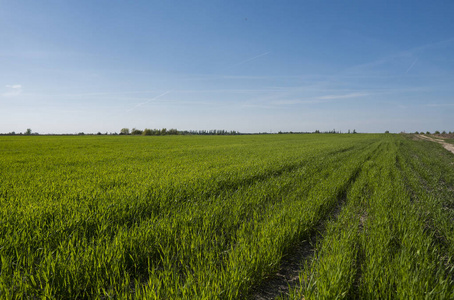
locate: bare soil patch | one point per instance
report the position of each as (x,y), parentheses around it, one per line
(438,139)
(288,275)
(296,261)
(445,136)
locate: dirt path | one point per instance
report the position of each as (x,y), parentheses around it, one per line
(447,146)
(294,262)
(288,275)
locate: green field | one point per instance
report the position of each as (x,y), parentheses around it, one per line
(213,217)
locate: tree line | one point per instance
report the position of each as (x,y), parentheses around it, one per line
(172,131)
(436,132)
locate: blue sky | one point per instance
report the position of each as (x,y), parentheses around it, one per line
(250,66)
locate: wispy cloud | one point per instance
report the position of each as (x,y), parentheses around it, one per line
(100,94)
(14,86)
(401,56)
(249,59)
(440,44)
(317,100)
(411,66)
(148,101)
(440,105)
(297,101)
(345,96)
(233,91)
(13,90)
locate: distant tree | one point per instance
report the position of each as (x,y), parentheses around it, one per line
(354,131)
(437,132)
(428,132)
(99,133)
(124,131)
(81,133)
(28,132)
(172,131)
(416,132)
(135,131)
(387,131)
(444,132)
(147,131)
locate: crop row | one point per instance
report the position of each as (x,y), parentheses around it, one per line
(212,217)
(174,217)
(393,238)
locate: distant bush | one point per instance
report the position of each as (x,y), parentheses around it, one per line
(135,131)
(124,131)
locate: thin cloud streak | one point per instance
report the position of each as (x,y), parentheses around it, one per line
(249,60)
(235,91)
(148,101)
(401,54)
(104,93)
(14,90)
(14,86)
(411,66)
(91,94)
(440,105)
(318,100)
(347,96)
(294,102)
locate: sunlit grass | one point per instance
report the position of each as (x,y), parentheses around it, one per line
(211,217)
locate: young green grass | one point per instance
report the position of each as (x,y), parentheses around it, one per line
(381,246)
(184,217)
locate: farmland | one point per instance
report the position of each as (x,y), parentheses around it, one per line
(213,217)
